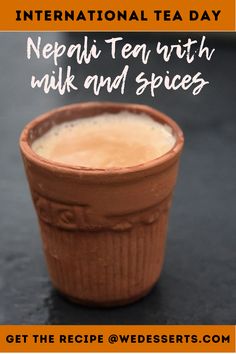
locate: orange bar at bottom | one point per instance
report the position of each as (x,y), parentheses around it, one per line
(117,338)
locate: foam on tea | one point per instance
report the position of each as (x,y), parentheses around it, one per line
(105,141)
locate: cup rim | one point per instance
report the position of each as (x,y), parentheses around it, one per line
(157,115)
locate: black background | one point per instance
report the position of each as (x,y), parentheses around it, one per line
(198,282)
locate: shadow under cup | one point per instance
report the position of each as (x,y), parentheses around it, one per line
(103,230)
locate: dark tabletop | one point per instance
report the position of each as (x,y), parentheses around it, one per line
(198,282)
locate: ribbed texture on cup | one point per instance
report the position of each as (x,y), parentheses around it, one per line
(107,267)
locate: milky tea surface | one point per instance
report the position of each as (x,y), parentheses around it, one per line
(106,141)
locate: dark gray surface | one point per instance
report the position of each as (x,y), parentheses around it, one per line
(198,283)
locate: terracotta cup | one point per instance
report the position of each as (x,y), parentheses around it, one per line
(103,230)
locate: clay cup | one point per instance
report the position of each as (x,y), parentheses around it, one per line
(103,230)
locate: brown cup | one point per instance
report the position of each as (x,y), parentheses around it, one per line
(103,230)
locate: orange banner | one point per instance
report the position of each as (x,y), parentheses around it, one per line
(117,338)
(87,15)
